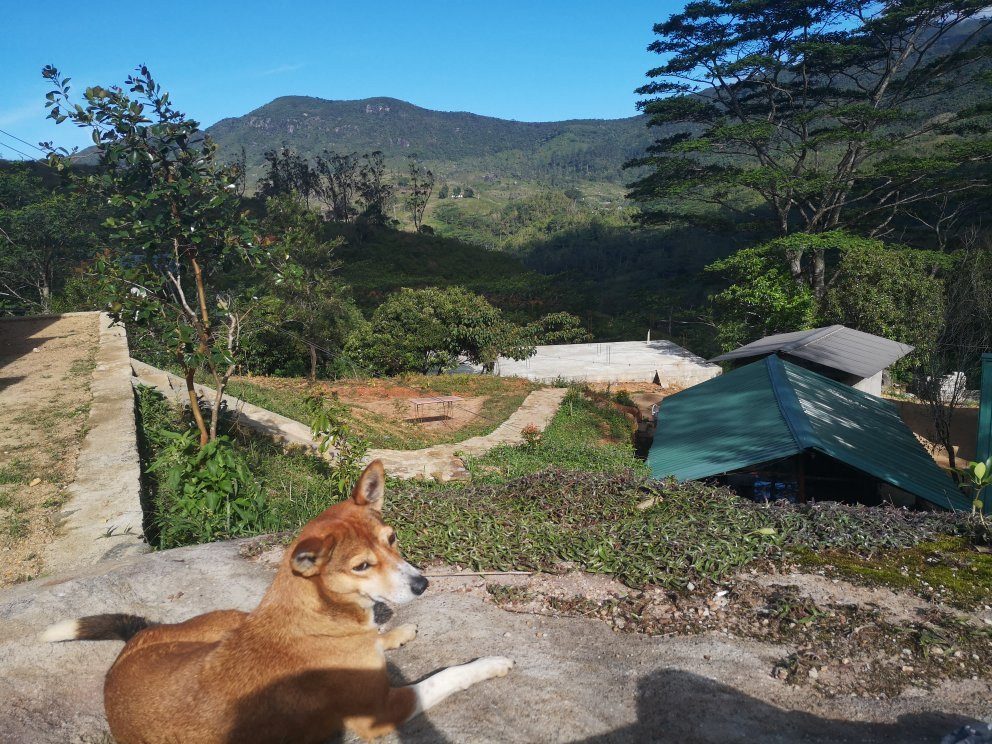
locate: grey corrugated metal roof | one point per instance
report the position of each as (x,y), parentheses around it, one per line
(772,409)
(836,346)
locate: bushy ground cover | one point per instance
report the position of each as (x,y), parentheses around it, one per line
(576,495)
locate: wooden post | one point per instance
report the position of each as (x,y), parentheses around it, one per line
(801,477)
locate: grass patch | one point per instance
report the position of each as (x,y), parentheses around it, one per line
(83,367)
(15,526)
(949,569)
(587,433)
(14,473)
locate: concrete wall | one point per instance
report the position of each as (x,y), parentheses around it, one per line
(620,361)
(964,429)
(103,518)
(872,385)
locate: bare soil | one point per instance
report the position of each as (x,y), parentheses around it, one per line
(384,405)
(46,365)
(837,638)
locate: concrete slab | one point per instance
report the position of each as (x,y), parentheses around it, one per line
(620,361)
(103,518)
(574,680)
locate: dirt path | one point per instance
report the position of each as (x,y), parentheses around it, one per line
(45,373)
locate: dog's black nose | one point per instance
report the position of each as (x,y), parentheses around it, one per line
(419,585)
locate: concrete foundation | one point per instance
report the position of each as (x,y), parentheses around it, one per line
(618,361)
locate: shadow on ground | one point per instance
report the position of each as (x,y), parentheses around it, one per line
(677,706)
(19,337)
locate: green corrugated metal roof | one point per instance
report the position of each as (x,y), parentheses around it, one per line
(772,409)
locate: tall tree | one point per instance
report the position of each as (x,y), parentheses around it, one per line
(45,233)
(289,173)
(314,304)
(815,116)
(339,184)
(421,185)
(177,228)
(375,190)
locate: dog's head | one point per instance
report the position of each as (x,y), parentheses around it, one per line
(352,552)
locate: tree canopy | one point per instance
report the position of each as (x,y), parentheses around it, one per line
(815,116)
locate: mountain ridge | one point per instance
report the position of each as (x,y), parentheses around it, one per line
(456,144)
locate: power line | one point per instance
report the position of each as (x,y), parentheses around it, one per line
(14,136)
(19,152)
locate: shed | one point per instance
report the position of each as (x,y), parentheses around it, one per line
(853,357)
(776,426)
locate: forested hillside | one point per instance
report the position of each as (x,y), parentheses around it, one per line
(453,144)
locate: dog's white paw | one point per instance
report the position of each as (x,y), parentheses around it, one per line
(405,633)
(494,666)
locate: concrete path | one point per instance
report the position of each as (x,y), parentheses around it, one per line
(103,518)
(441,462)
(574,681)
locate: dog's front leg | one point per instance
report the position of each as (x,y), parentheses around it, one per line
(404,703)
(437,687)
(398,636)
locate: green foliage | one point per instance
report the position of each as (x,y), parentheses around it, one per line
(306,304)
(45,233)
(892,291)
(815,116)
(237,485)
(557,328)
(762,298)
(978,476)
(329,427)
(176,228)
(425,330)
(213,496)
(643,533)
(587,433)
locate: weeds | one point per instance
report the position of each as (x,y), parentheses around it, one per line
(690,533)
(587,433)
(15,472)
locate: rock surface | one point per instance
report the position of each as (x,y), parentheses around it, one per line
(575,680)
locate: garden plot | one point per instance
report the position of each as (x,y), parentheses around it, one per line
(381,410)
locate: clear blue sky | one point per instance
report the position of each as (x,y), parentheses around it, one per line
(533,60)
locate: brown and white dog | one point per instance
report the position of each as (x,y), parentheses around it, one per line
(307,662)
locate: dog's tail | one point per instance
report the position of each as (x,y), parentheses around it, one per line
(96,628)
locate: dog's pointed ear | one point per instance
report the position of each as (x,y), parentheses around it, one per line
(371,486)
(308,557)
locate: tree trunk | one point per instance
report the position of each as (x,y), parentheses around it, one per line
(313,362)
(795,259)
(819,273)
(194,403)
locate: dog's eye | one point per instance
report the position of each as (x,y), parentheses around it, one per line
(364,566)
(392,538)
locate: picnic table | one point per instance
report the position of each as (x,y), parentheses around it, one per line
(447,403)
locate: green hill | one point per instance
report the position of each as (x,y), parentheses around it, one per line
(456,145)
